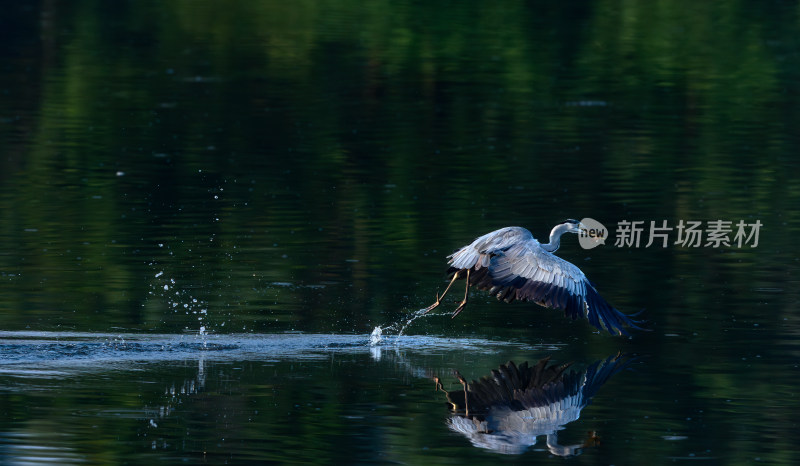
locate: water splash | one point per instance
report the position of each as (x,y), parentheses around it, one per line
(377,336)
(414,316)
(203,335)
(178,299)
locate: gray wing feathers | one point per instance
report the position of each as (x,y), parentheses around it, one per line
(527,260)
(479,253)
(528,273)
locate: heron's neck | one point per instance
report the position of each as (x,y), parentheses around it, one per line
(555,238)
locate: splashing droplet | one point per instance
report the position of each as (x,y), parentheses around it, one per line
(416,315)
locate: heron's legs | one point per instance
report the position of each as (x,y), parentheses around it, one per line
(464,302)
(466,392)
(439,298)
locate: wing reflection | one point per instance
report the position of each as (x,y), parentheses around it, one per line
(506,411)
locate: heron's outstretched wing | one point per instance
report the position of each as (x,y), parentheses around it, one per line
(526,272)
(477,254)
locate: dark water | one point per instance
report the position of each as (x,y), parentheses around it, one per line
(207,207)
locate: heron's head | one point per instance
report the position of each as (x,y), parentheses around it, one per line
(574,226)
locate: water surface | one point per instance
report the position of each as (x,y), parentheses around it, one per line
(207,207)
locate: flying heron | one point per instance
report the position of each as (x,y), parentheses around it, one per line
(511,264)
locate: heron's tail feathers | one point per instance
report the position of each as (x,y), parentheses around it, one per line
(606,317)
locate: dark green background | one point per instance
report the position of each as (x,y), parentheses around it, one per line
(307,166)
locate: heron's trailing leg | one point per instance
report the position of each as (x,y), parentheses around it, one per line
(464,302)
(439,298)
(466,392)
(438,384)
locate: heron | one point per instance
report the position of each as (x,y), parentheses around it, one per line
(507,410)
(512,265)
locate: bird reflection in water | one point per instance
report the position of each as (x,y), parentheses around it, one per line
(506,411)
